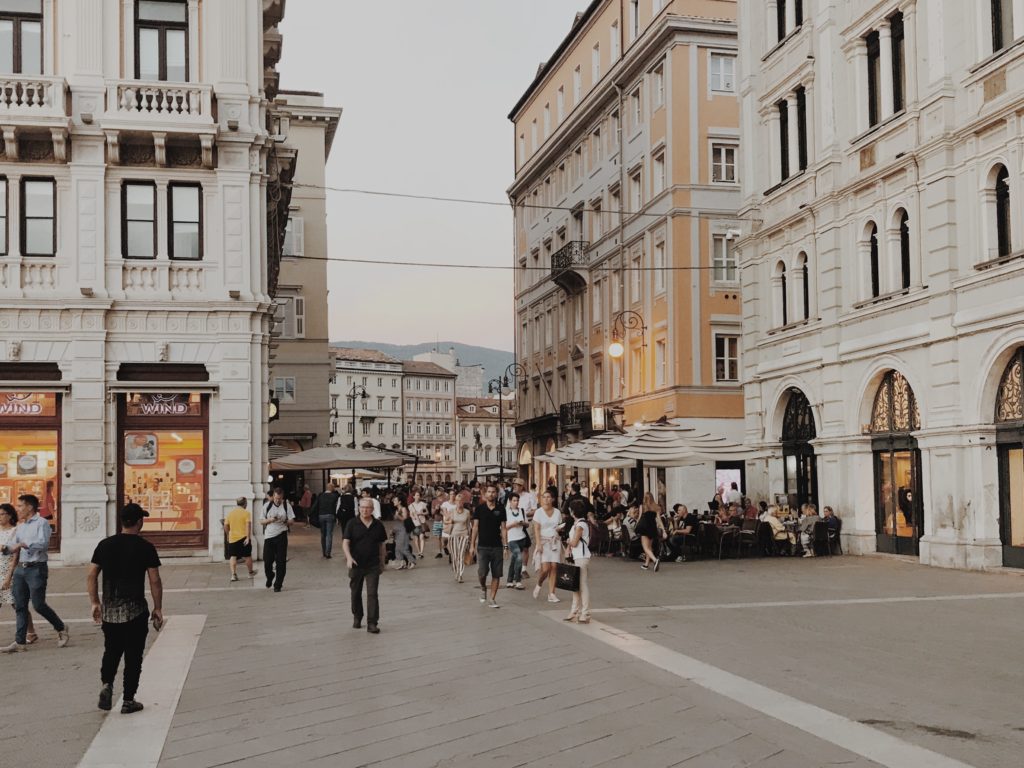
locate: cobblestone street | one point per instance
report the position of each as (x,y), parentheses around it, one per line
(780,662)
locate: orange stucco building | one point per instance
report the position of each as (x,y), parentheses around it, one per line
(625,198)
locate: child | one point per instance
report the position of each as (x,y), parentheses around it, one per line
(438,529)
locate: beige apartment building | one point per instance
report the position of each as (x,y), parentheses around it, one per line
(429,409)
(486,436)
(301,364)
(627,154)
(371,381)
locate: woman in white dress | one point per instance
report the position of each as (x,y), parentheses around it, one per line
(547,525)
(8,522)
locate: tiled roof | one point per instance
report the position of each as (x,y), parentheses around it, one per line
(426,369)
(481,403)
(362,355)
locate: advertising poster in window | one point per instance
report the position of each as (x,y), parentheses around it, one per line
(164,472)
(29,451)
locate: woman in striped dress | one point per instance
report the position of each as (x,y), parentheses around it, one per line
(458,539)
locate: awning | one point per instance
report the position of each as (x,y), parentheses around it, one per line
(662,444)
(337,458)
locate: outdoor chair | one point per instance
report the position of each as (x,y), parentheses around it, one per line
(747,537)
(835,541)
(819,539)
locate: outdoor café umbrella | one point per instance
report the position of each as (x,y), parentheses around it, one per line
(337,457)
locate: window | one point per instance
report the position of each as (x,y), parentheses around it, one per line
(561,321)
(577,163)
(597,220)
(577,313)
(874,79)
(380,428)
(658,86)
(284,389)
(727,360)
(560,103)
(533,135)
(394,429)
(596,389)
(380,403)
(636,278)
(723,73)
(161,40)
(635,110)
(660,362)
(659,173)
(1002,24)
(636,195)
(522,149)
(547,120)
(577,86)
(394,403)
(1003,211)
(636,371)
(659,267)
(3,216)
(595,301)
(616,291)
(801,127)
(904,250)
(783,285)
(185,211)
(634,19)
(366,427)
(595,63)
(876,288)
(898,60)
(724,267)
(805,279)
(465,454)
(783,107)
(723,163)
(614,39)
(615,199)
(138,217)
(294,237)
(596,146)
(21,37)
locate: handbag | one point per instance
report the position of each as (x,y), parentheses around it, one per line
(567,577)
(525,542)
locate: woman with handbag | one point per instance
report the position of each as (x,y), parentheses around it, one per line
(458,539)
(547,524)
(403,531)
(579,551)
(518,540)
(650,530)
(418,510)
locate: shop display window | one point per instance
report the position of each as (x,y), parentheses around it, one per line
(164,472)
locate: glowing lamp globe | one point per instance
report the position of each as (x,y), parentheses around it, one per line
(616,349)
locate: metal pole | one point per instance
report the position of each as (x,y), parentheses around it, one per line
(501,441)
(353,393)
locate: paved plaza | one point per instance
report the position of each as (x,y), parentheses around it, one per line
(777,663)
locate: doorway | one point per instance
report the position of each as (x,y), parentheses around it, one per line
(799,464)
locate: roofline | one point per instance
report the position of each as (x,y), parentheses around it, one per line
(550,64)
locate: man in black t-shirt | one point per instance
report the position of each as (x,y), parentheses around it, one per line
(488,537)
(326,510)
(364,544)
(346,507)
(125,560)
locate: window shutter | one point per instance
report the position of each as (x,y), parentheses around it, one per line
(300,317)
(295,236)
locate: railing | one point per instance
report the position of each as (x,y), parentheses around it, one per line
(32,96)
(155,279)
(574,414)
(147,100)
(572,254)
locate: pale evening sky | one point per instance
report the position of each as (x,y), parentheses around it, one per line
(426,86)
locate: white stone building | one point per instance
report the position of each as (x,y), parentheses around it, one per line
(470,378)
(378,416)
(479,427)
(137,266)
(429,408)
(882,269)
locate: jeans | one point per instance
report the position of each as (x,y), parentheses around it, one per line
(30,583)
(128,640)
(326,533)
(581,599)
(275,553)
(515,563)
(371,576)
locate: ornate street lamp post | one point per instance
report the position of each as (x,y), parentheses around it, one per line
(358,390)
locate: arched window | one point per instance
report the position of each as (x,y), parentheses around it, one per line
(805,279)
(1009,400)
(783,293)
(895,408)
(1003,211)
(876,285)
(904,250)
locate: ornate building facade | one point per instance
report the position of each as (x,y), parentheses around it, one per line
(882,256)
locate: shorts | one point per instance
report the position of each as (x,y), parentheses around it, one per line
(490,558)
(438,527)
(239,548)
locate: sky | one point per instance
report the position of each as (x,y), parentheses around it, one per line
(426,87)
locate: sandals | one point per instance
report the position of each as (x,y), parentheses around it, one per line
(31,637)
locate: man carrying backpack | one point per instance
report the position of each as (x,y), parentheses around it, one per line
(326,509)
(277,519)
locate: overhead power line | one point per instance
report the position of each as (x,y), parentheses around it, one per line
(506,267)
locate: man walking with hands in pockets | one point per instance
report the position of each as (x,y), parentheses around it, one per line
(278,517)
(364,545)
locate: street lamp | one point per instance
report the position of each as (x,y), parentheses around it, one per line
(626,321)
(357,391)
(498,385)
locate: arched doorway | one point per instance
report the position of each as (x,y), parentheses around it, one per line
(899,514)
(1009,418)
(799,464)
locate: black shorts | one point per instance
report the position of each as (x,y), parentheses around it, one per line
(239,548)
(489,558)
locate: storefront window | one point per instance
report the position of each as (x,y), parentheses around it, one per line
(163,448)
(30,452)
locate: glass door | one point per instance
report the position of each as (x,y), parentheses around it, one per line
(1011,504)
(800,475)
(899,514)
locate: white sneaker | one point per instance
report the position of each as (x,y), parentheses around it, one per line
(493,604)
(536,592)
(483,599)
(553,599)
(14,648)
(518,585)
(509,585)
(526,574)
(63,637)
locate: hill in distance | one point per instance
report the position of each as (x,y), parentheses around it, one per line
(494,361)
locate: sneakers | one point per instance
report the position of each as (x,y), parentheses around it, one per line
(493,604)
(357,622)
(643,567)
(106,698)
(438,556)
(526,574)
(130,706)
(553,599)
(373,629)
(483,598)
(519,585)
(63,637)
(808,554)
(657,564)
(14,648)
(509,585)
(536,592)
(680,559)
(234,577)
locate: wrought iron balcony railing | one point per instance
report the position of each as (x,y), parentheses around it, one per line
(574,414)
(571,255)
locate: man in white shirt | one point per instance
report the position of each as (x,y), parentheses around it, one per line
(276,521)
(733,495)
(527,499)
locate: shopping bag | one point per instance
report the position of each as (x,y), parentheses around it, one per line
(567,577)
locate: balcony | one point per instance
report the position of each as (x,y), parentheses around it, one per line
(147,106)
(164,280)
(566,263)
(33,101)
(575,415)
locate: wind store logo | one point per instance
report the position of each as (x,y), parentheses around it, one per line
(162,405)
(14,404)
